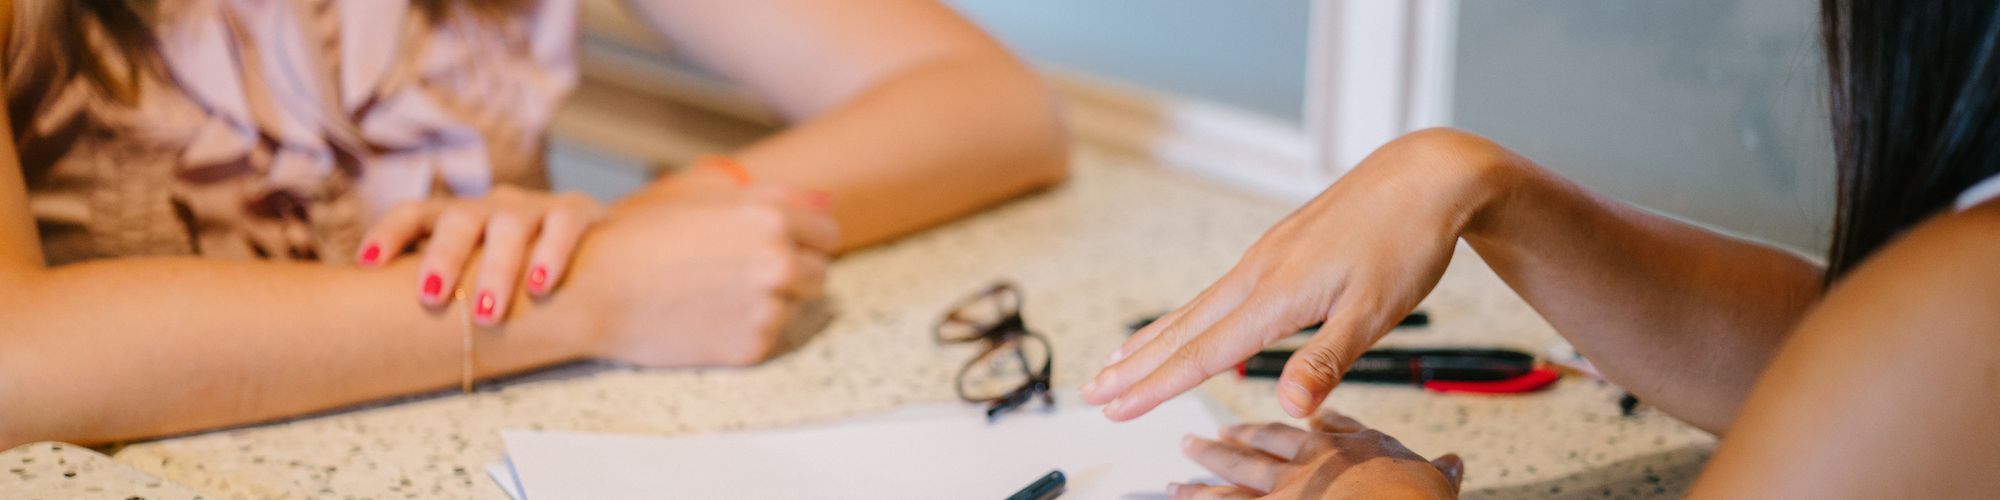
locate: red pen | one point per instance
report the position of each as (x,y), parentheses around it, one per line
(1485,371)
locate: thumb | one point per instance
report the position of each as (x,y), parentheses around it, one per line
(1315,369)
(1452,467)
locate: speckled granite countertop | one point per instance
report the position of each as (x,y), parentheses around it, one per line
(1120,241)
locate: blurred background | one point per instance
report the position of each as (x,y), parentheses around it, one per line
(1706,110)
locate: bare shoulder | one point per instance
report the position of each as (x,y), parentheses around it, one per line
(1939,283)
(1902,354)
(1953,259)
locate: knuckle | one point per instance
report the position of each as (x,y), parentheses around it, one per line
(562,217)
(1177,334)
(575,200)
(1194,356)
(458,213)
(506,192)
(1322,365)
(1239,430)
(1267,429)
(760,342)
(762,218)
(565,217)
(510,220)
(752,350)
(774,268)
(1317,445)
(404,211)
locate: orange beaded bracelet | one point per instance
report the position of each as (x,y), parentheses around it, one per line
(726,165)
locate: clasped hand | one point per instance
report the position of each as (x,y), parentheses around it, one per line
(1338,459)
(695,269)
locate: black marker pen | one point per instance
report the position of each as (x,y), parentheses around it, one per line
(1051,485)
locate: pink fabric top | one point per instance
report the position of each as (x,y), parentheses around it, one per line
(279,128)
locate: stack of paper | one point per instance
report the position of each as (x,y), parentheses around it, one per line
(945,451)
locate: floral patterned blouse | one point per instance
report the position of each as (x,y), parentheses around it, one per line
(278,129)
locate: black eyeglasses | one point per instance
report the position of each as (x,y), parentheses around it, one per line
(1015,366)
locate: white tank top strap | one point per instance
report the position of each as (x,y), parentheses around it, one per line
(1982,192)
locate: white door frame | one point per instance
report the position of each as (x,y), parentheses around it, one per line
(1376,69)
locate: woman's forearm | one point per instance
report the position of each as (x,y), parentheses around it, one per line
(143,347)
(1683,317)
(935,142)
(904,112)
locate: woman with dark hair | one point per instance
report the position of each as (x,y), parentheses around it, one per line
(205,204)
(1876,376)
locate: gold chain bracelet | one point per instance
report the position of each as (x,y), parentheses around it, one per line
(470,358)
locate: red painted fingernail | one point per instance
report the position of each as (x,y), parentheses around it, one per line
(433,285)
(371,254)
(538,278)
(485,307)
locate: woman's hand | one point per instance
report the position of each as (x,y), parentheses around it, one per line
(700,269)
(1357,258)
(1339,458)
(511,229)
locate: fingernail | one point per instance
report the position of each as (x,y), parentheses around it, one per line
(485,305)
(433,285)
(1103,379)
(1116,356)
(1294,397)
(538,278)
(1116,404)
(1187,442)
(371,254)
(1173,488)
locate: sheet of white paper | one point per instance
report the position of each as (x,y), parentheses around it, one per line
(503,475)
(921,452)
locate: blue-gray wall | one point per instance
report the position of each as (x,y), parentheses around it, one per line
(1711,110)
(1247,54)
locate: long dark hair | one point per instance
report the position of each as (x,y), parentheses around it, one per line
(1916,93)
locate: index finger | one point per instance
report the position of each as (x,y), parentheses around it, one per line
(1215,350)
(1164,339)
(809,225)
(1208,492)
(1227,290)
(1238,464)
(1279,440)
